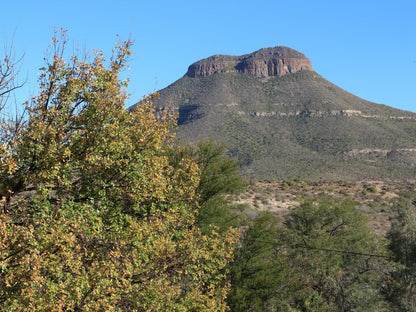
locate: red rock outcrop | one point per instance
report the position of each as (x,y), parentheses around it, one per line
(268,62)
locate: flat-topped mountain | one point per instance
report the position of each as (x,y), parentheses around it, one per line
(282,120)
(270,62)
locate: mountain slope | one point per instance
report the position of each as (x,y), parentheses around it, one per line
(288,121)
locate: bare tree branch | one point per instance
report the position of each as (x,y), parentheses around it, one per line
(9,71)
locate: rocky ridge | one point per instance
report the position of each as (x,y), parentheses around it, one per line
(320,114)
(267,62)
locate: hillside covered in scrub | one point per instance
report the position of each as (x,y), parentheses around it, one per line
(282,120)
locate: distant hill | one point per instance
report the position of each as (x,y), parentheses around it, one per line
(282,120)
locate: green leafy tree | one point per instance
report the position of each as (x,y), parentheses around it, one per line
(219,177)
(402,235)
(94,216)
(261,279)
(323,258)
(346,263)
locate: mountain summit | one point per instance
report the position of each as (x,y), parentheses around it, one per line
(282,120)
(268,62)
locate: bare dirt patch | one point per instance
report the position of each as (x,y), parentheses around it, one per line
(376,198)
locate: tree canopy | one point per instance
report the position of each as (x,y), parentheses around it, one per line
(94,217)
(322,257)
(402,237)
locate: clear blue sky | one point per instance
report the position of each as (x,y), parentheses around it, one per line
(366,47)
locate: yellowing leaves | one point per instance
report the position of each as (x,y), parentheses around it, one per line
(99,219)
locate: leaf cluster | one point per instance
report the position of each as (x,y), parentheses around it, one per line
(402,243)
(219,177)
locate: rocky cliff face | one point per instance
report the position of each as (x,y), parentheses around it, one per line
(269,62)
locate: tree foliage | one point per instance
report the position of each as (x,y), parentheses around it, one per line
(402,236)
(260,274)
(323,258)
(94,217)
(219,177)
